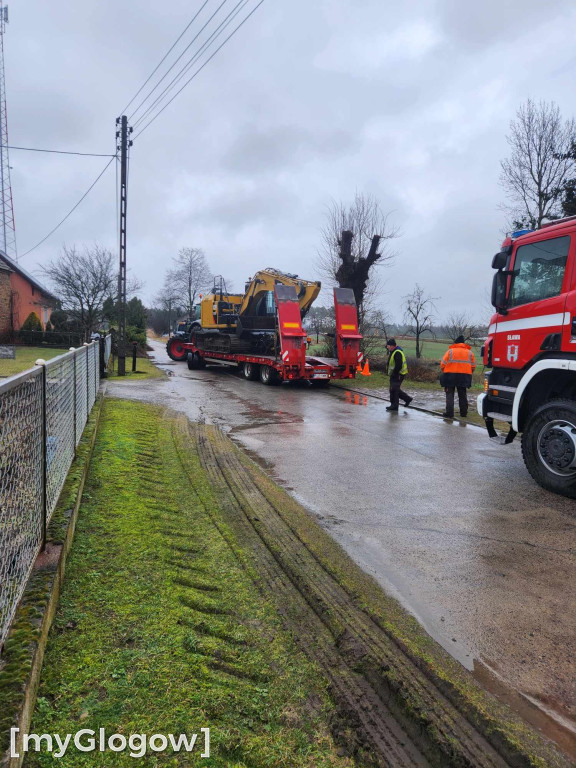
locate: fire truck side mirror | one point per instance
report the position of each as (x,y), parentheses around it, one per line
(499,284)
(500,260)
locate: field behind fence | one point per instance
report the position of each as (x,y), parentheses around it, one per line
(43,412)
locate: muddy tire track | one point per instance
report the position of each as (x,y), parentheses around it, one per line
(391,714)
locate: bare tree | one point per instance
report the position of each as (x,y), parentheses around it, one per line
(539,164)
(459,324)
(351,238)
(169,301)
(376,327)
(320,320)
(82,280)
(418,312)
(189,276)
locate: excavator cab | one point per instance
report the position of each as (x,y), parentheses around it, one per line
(218,310)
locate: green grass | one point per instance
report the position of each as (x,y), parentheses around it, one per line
(160,630)
(26,357)
(145,369)
(431,350)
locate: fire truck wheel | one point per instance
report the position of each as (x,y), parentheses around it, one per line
(250,371)
(268,375)
(549,447)
(175,349)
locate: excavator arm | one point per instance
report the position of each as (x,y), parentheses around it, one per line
(259,297)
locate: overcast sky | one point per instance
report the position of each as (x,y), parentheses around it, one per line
(309,102)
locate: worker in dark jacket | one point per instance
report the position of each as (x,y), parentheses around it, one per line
(457,366)
(397,370)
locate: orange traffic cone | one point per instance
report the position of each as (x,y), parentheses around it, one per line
(359,367)
(366,369)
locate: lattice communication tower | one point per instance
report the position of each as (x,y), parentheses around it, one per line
(7,228)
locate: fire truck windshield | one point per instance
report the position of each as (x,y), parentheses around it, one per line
(538,271)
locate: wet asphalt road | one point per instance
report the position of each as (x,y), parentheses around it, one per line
(446,521)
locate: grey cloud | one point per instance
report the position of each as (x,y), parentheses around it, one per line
(268,151)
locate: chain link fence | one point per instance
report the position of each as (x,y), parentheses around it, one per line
(43,412)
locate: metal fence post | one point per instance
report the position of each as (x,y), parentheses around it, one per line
(101,356)
(44,457)
(87,381)
(72,349)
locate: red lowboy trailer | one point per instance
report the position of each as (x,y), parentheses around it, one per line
(291,362)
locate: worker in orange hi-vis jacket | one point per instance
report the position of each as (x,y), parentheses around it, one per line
(457,367)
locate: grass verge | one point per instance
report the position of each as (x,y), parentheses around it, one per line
(145,369)
(160,630)
(25,358)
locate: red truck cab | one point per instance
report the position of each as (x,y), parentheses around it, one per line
(531,351)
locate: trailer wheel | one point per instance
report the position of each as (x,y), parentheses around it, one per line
(175,349)
(250,371)
(192,361)
(549,447)
(268,375)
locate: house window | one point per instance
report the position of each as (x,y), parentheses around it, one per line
(45,315)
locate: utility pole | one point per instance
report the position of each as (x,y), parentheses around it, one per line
(125,143)
(7,228)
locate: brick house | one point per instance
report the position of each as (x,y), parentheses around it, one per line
(21,294)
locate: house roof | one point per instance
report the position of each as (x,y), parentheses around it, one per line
(12,265)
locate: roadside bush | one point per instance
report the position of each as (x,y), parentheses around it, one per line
(378,363)
(420,369)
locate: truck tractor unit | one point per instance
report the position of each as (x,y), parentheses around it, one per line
(531,351)
(181,334)
(261,331)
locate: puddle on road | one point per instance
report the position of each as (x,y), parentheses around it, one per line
(355,398)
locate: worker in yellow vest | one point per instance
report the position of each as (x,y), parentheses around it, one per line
(397,370)
(457,366)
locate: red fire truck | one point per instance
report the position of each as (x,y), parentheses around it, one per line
(531,351)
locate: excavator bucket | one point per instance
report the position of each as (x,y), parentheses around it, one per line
(292,335)
(347,336)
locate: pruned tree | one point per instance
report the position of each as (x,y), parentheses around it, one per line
(189,276)
(419,315)
(539,165)
(82,280)
(355,239)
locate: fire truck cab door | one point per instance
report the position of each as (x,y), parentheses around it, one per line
(537,296)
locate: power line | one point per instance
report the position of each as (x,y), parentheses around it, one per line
(164,57)
(71,211)
(205,45)
(178,59)
(58,151)
(200,69)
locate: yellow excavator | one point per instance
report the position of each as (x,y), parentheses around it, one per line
(247,322)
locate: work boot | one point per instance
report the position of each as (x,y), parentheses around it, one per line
(408,401)
(391,408)
(448,415)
